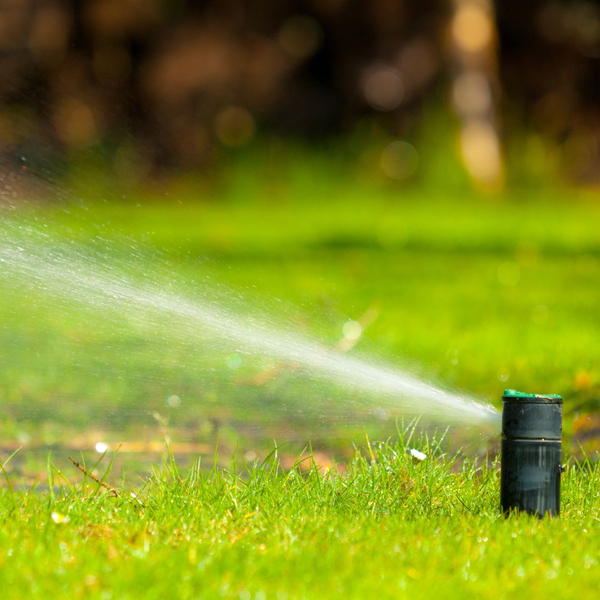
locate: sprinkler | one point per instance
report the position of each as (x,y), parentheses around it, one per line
(531,453)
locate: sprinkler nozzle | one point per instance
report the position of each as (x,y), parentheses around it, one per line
(531,453)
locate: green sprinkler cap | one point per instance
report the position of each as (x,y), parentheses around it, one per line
(523,396)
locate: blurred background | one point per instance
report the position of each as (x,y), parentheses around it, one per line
(413,182)
(163,86)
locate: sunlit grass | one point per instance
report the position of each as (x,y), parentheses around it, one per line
(382,525)
(477,293)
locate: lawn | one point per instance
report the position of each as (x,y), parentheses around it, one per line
(474,292)
(387,526)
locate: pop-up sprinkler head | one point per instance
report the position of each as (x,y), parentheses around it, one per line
(531,453)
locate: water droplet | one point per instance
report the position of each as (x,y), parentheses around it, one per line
(381,413)
(234,361)
(452,356)
(352,330)
(174,401)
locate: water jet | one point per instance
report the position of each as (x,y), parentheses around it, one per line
(103,283)
(531,453)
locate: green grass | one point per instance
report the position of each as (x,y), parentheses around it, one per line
(479,293)
(382,526)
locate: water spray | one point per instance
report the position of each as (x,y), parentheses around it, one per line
(531,453)
(212,319)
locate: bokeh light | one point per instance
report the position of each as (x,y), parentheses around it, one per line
(472,26)
(383,88)
(471,93)
(480,149)
(300,36)
(75,123)
(399,160)
(101,447)
(509,273)
(234,126)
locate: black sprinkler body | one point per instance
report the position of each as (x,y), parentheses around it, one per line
(531,453)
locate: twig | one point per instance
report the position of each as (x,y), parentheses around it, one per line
(108,488)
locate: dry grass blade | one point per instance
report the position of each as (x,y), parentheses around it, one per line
(111,490)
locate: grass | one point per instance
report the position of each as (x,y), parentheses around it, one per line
(476,292)
(384,525)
